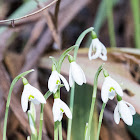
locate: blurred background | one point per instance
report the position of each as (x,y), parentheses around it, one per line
(27,43)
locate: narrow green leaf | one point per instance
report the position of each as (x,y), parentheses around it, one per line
(33,111)
(9,98)
(32,125)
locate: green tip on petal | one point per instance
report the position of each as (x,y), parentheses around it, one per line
(62,110)
(25,81)
(105,73)
(70,58)
(93,35)
(119,98)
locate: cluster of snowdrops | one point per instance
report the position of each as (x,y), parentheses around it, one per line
(110,89)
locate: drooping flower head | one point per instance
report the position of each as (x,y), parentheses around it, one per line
(59,107)
(32,94)
(97,49)
(110,88)
(54,81)
(75,73)
(125,111)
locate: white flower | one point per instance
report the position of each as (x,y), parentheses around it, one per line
(76,74)
(54,81)
(59,107)
(30,93)
(99,48)
(125,111)
(110,86)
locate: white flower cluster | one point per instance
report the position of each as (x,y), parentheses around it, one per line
(109,89)
(123,109)
(77,75)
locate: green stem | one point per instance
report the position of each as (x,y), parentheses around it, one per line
(77,45)
(100,120)
(86,130)
(71,108)
(56,130)
(79,40)
(109,6)
(136,15)
(41,122)
(9,99)
(93,100)
(60,131)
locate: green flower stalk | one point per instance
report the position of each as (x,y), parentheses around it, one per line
(77,45)
(46,96)
(56,130)
(60,131)
(41,122)
(100,120)
(9,98)
(93,101)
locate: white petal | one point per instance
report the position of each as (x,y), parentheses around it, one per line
(71,81)
(77,73)
(103,57)
(84,77)
(116,115)
(105,90)
(103,54)
(111,95)
(90,50)
(37,94)
(116,86)
(55,89)
(52,80)
(131,108)
(24,98)
(95,44)
(66,109)
(35,101)
(56,110)
(60,116)
(125,113)
(65,82)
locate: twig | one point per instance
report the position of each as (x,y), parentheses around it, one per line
(26,16)
(51,25)
(56,13)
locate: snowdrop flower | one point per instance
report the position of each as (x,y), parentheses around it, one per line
(54,81)
(59,107)
(109,88)
(75,73)
(99,49)
(125,111)
(30,93)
